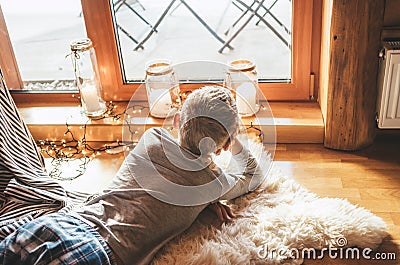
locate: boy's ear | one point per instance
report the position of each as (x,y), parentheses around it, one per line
(177,118)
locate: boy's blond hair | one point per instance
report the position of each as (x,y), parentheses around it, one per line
(209,119)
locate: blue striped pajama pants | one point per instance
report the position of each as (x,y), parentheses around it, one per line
(27,197)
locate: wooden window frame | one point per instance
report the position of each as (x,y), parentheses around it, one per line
(8,62)
(100,29)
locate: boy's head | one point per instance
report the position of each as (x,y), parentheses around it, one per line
(208,120)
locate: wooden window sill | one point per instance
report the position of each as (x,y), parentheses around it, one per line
(295,122)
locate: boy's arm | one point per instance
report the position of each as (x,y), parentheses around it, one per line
(247,178)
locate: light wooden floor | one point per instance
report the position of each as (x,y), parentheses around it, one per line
(369,178)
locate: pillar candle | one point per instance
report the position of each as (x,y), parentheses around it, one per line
(160,103)
(90,98)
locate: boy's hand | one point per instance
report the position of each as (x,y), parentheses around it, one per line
(236,146)
(223,211)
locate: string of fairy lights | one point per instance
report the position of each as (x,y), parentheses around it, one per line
(80,151)
(71,148)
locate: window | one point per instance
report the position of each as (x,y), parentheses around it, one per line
(217,31)
(40,32)
(119,85)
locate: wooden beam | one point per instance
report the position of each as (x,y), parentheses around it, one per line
(352,73)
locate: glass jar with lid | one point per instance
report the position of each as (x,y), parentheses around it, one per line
(87,77)
(241,77)
(162,88)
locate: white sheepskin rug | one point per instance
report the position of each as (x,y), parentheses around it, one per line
(279,215)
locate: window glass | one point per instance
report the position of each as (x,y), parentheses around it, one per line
(40,32)
(194,30)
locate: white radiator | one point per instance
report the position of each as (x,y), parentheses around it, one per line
(388,107)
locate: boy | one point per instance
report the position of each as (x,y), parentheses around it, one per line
(160,189)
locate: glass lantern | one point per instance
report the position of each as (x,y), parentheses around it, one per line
(242,78)
(87,77)
(162,88)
